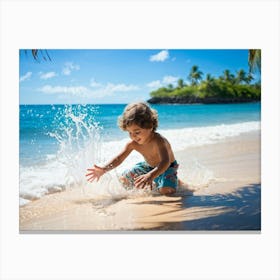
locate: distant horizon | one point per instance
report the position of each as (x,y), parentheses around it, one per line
(159,104)
(115,76)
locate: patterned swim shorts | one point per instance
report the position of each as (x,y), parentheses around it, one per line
(166,179)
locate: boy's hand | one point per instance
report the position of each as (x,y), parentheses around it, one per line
(143,181)
(95,173)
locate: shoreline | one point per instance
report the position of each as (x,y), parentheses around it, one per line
(230,200)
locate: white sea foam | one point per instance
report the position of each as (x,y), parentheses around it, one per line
(197,136)
(82,149)
(40,180)
(181,139)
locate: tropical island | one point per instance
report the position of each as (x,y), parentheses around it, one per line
(228,88)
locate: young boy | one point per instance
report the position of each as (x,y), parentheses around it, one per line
(159,167)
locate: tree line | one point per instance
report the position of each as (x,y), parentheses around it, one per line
(237,86)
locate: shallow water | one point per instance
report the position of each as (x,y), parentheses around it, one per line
(59,142)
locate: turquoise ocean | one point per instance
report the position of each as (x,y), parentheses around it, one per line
(57,143)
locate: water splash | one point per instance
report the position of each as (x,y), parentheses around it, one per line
(78,135)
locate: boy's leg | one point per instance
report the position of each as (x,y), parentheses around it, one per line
(125,182)
(168,181)
(166,190)
(128,176)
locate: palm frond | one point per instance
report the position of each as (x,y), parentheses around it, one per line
(43,53)
(254,60)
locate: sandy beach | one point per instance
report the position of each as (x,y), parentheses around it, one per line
(229,199)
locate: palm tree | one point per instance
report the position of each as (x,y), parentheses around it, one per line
(209,82)
(195,75)
(180,83)
(241,76)
(227,76)
(209,78)
(249,78)
(254,60)
(170,86)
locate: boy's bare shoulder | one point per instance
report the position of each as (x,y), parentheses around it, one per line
(160,139)
(159,136)
(130,145)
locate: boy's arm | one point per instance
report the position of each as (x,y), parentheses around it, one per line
(96,172)
(117,160)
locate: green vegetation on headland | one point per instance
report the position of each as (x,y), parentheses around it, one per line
(228,88)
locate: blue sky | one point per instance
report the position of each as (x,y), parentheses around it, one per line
(115,76)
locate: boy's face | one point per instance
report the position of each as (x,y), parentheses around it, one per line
(138,134)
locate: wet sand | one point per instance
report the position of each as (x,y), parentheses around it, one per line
(230,200)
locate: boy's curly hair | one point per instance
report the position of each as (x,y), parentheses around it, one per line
(140,114)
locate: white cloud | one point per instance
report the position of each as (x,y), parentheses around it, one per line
(170,80)
(47,75)
(154,84)
(76,91)
(166,80)
(81,91)
(93,83)
(120,87)
(110,89)
(69,67)
(161,56)
(25,77)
